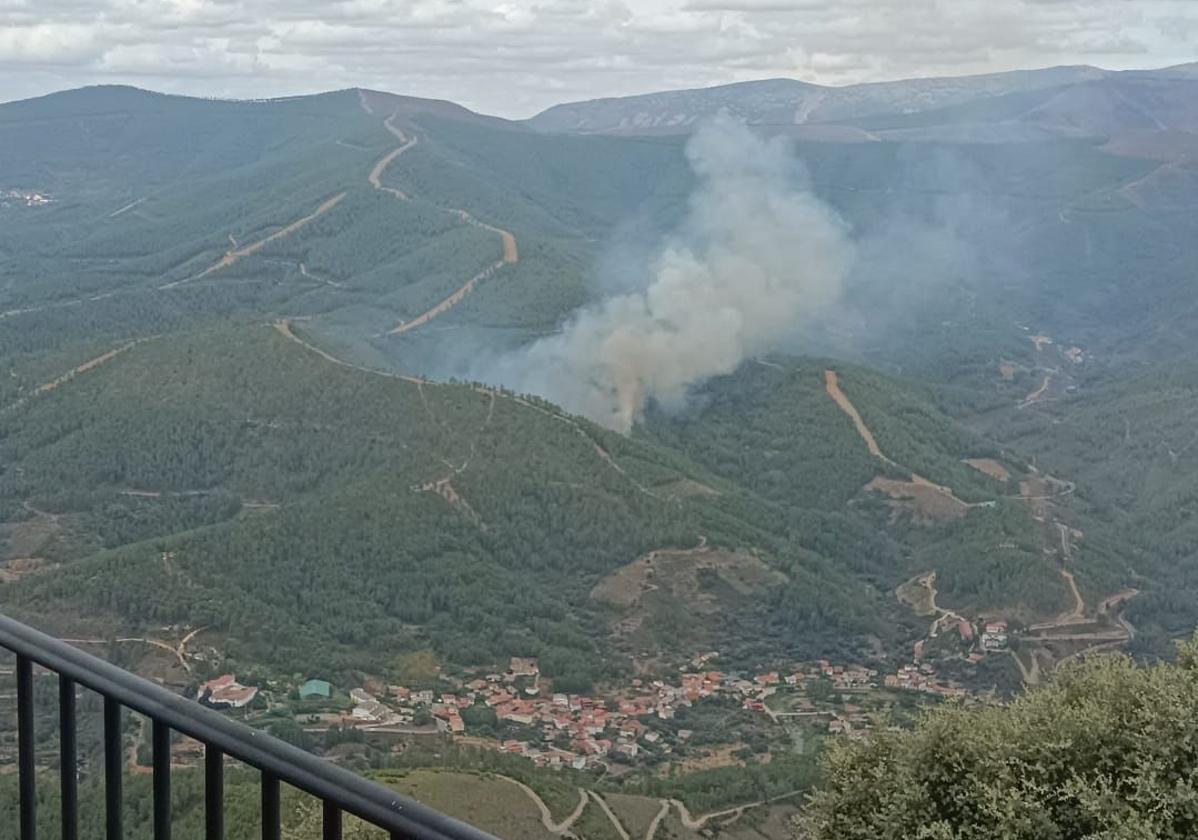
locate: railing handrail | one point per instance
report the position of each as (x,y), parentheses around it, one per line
(369,800)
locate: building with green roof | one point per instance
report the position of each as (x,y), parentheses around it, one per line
(315,688)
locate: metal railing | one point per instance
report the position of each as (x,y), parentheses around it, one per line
(339,790)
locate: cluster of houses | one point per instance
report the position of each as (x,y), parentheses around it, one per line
(922,677)
(25,197)
(992,638)
(563,729)
(558,729)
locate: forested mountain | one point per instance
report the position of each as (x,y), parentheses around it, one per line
(236,477)
(237,341)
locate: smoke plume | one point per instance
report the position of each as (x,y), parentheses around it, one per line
(754,257)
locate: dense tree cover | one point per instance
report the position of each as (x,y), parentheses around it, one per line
(775,431)
(1138,499)
(993,558)
(232,478)
(336,542)
(771,427)
(227,440)
(1106,750)
(911,431)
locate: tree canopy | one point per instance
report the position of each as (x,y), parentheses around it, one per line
(1106,750)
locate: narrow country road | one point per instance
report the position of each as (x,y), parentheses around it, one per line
(661,815)
(284,328)
(695,823)
(602,803)
(233,256)
(562,828)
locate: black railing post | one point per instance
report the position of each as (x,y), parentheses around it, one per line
(332,821)
(67,761)
(337,789)
(26,765)
(270,806)
(214,793)
(160,735)
(112,769)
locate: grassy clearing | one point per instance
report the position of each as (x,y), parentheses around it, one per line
(635,812)
(485,801)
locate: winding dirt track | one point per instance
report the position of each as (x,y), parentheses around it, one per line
(695,823)
(602,803)
(284,328)
(231,257)
(562,828)
(179,651)
(376,174)
(511,251)
(661,815)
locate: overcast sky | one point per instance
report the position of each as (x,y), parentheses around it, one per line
(516,57)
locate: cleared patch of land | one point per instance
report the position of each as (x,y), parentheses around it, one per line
(917,593)
(832,386)
(716,755)
(637,813)
(681,598)
(488,802)
(676,571)
(990,467)
(927,501)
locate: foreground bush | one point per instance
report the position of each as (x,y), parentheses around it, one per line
(1107,750)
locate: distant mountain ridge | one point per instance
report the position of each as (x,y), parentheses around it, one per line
(791,102)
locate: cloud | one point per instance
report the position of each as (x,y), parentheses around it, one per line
(515,57)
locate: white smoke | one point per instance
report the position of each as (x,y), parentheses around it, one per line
(755,256)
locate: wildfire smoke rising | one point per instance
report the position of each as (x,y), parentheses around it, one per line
(754,257)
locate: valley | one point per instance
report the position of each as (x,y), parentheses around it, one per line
(252,424)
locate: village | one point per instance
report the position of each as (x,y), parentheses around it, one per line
(641,722)
(25,198)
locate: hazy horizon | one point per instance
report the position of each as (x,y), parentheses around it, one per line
(318,91)
(516,59)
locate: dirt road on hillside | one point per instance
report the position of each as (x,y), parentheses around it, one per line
(695,823)
(832,386)
(511,251)
(284,328)
(178,651)
(233,256)
(611,815)
(90,364)
(918,489)
(376,174)
(546,816)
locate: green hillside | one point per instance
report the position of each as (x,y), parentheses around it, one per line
(321,515)
(290,487)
